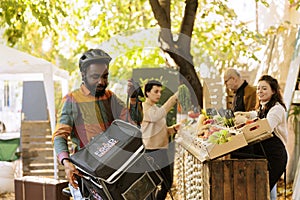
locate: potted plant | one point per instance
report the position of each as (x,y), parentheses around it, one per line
(184,102)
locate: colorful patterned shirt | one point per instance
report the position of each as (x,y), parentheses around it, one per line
(84,116)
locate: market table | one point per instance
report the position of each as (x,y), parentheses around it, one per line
(220,179)
(205,171)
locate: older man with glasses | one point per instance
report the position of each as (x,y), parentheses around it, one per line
(244,94)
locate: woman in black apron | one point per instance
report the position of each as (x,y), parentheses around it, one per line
(271,107)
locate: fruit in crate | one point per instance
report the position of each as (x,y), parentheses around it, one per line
(201,119)
(202,131)
(218,119)
(206,130)
(249,121)
(208,121)
(193,114)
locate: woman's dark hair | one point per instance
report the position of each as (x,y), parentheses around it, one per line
(276,97)
(149,85)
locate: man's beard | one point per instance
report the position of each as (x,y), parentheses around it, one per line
(100,90)
(96,90)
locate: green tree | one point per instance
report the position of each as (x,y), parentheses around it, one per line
(217,38)
(17,17)
(211,34)
(70,27)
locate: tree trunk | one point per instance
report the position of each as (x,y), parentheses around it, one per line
(178,52)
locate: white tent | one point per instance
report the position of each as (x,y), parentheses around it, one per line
(17,65)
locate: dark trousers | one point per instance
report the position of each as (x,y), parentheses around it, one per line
(274,150)
(161,159)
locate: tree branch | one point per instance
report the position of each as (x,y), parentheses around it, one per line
(187,25)
(179,52)
(160,14)
(161,11)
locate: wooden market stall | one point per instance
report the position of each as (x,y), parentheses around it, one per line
(221,178)
(205,172)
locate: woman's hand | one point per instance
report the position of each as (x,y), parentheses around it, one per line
(244,114)
(241,117)
(176,127)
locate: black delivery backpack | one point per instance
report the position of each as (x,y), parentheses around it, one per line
(115,166)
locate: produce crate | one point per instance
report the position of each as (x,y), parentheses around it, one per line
(236,179)
(204,151)
(34,187)
(217,150)
(257,131)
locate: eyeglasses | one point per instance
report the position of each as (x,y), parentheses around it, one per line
(227,80)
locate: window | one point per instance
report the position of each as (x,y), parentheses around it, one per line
(6,94)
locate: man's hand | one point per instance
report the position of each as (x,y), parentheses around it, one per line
(130,87)
(134,89)
(70,171)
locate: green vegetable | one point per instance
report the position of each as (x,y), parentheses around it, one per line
(184,98)
(220,137)
(228,122)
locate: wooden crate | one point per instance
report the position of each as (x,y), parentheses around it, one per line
(222,179)
(233,179)
(31,187)
(37,150)
(210,151)
(257,131)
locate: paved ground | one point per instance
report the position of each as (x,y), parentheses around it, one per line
(280,193)
(7,196)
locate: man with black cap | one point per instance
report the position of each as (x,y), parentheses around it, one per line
(90,109)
